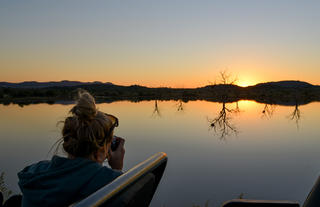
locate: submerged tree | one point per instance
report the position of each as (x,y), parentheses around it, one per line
(222,123)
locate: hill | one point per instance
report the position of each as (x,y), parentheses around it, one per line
(282,92)
(286,84)
(35,84)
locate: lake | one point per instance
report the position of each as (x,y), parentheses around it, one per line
(215,151)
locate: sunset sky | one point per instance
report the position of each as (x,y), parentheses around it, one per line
(176,43)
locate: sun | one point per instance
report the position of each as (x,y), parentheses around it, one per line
(245,83)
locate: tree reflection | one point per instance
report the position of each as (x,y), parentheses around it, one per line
(237,109)
(156,111)
(180,106)
(268,111)
(222,124)
(295,115)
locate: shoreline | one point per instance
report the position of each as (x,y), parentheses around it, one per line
(281,93)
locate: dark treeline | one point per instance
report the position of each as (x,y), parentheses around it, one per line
(283,93)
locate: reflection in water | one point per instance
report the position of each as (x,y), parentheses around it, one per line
(260,149)
(222,123)
(268,111)
(180,106)
(5,191)
(237,109)
(295,115)
(156,111)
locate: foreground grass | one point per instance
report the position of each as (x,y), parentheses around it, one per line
(3,188)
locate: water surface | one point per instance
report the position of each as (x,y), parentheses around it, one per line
(265,151)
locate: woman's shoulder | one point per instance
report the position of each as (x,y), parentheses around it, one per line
(85,166)
(57,163)
(37,167)
(102,177)
(111,172)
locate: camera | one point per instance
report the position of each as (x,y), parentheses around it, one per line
(114,143)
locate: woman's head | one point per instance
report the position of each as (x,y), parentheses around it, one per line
(87,129)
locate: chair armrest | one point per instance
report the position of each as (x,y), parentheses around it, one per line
(259,203)
(313,198)
(140,180)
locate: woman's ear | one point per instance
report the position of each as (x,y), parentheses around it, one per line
(101,155)
(108,146)
(108,150)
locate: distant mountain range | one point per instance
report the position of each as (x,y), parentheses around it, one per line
(286,84)
(281,92)
(66,83)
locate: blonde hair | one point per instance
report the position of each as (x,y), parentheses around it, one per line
(87,128)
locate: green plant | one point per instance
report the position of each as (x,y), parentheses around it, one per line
(5,191)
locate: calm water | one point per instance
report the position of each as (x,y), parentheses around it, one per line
(270,155)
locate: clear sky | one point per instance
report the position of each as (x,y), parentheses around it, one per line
(176,43)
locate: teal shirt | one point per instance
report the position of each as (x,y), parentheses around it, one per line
(62,181)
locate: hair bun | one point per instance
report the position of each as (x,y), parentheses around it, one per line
(87,129)
(85,107)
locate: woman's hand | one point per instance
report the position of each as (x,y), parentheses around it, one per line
(116,157)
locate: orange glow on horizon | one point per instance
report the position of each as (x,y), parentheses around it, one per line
(245,83)
(188,81)
(155,84)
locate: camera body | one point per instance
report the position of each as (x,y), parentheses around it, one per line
(115,143)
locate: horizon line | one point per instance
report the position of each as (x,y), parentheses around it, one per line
(109,82)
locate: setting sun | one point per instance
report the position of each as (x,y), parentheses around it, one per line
(245,83)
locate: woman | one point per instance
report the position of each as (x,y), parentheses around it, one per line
(86,138)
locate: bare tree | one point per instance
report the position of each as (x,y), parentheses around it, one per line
(227,78)
(222,123)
